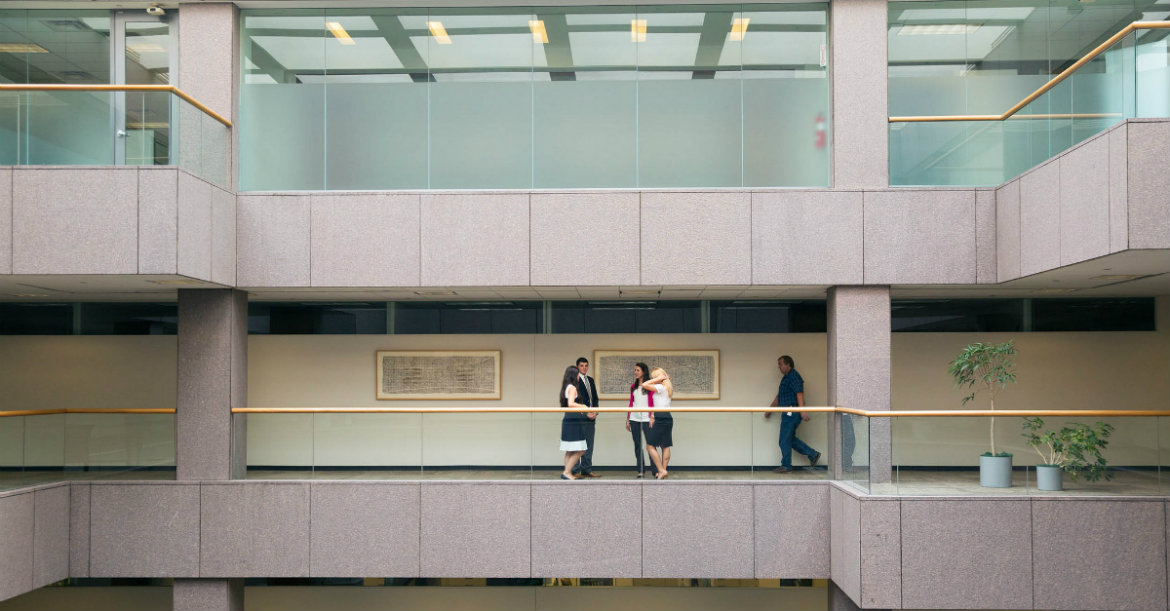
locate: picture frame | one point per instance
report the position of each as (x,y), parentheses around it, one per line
(694,373)
(437,375)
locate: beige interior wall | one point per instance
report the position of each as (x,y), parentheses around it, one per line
(87,371)
(305,370)
(1056,370)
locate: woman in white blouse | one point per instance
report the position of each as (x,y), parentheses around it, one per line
(638,421)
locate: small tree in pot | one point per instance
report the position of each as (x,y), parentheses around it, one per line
(987,368)
(1075,449)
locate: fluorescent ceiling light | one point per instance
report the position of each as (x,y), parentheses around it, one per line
(739,28)
(539,34)
(939,29)
(638,30)
(21,47)
(339,33)
(439,32)
(146,47)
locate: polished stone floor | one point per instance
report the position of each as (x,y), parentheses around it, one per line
(907,482)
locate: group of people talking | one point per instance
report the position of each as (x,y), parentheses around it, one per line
(650,394)
(651,388)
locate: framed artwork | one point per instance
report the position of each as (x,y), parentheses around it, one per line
(438,374)
(694,373)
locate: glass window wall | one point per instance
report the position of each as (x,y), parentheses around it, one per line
(543,97)
(982,57)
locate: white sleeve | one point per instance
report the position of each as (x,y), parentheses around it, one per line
(659,388)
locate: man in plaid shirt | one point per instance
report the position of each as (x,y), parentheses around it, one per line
(790,394)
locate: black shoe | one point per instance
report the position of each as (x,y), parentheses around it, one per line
(782,469)
(812,461)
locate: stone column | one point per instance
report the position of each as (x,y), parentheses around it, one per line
(209,440)
(209,68)
(857,69)
(859,372)
(213,353)
(208,594)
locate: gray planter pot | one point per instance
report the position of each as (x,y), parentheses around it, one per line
(1049,477)
(995,471)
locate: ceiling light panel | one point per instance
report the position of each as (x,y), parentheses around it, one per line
(539,34)
(339,33)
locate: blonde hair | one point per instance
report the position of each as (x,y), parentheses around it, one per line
(658,371)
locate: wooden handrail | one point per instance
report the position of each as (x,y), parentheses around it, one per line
(87,410)
(1046,87)
(167,88)
(971,413)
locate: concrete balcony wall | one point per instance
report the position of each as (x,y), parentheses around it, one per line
(913,236)
(115,221)
(34,529)
(1000,552)
(882,551)
(1108,194)
(447,529)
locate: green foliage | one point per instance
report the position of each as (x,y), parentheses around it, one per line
(1076,448)
(998,454)
(984,367)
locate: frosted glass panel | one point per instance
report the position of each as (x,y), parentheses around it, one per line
(586,134)
(282,138)
(689,133)
(377,136)
(481,135)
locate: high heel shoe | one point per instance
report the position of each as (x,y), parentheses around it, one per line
(563,476)
(661,475)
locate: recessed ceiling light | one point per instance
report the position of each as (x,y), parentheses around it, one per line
(638,30)
(937,29)
(439,32)
(539,34)
(339,33)
(31,295)
(435,293)
(21,47)
(739,28)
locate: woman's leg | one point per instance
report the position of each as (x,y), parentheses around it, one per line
(665,458)
(571,459)
(656,459)
(639,456)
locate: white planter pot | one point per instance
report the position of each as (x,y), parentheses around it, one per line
(1049,477)
(995,471)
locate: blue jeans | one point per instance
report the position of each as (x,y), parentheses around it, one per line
(789,441)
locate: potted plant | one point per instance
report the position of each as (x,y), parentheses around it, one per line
(1075,448)
(988,368)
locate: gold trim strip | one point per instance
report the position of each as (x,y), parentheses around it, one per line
(1067,72)
(168,88)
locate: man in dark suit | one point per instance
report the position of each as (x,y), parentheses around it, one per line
(587,395)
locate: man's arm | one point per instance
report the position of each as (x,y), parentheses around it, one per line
(800,403)
(775,403)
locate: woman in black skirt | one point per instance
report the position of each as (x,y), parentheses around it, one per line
(573,424)
(659,434)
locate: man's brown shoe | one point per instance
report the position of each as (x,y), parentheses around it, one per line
(782,470)
(592,474)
